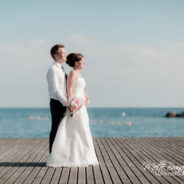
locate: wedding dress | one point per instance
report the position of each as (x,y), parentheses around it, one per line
(73,145)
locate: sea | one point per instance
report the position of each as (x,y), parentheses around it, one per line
(104,122)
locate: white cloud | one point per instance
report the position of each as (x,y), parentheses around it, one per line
(126,75)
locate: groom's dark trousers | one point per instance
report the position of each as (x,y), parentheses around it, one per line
(57,113)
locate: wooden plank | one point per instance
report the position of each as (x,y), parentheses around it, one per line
(65,175)
(7,149)
(115,162)
(125,149)
(29,168)
(121,161)
(40,175)
(138,172)
(175,143)
(37,167)
(141,152)
(6,160)
(165,153)
(97,170)
(73,175)
(103,168)
(48,176)
(109,164)
(56,175)
(25,165)
(16,150)
(126,165)
(11,168)
(90,177)
(151,156)
(168,147)
(82,176)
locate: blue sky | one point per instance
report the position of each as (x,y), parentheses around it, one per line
(113,22)
(133,50)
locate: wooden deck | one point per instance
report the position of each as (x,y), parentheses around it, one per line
(122,160)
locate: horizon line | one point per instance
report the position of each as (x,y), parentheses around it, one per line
(97,107)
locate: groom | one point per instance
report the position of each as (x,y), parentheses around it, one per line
(56,78)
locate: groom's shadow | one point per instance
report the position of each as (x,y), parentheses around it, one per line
(22,164)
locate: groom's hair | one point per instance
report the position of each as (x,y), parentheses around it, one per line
(55,48)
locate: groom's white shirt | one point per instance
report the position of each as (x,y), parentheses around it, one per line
(57,83)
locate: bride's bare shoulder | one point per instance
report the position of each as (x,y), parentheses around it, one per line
(73,74)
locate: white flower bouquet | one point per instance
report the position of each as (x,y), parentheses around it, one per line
(75,105)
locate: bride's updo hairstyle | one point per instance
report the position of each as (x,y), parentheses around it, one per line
(72,58)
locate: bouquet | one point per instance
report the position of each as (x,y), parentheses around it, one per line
(75,105)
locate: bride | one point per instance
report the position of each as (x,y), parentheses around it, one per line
(73,145)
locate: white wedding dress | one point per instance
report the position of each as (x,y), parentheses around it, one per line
(73,145)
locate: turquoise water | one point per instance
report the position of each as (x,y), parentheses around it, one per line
(104,122)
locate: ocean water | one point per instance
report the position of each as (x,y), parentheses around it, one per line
(104,122)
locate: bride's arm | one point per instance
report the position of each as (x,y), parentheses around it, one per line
(71,83)
(86,98)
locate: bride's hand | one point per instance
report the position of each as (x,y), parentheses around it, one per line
(87,101)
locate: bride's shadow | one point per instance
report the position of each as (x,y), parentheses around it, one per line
(22,164)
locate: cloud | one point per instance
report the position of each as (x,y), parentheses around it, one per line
(116,75)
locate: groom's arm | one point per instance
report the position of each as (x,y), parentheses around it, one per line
(53,80)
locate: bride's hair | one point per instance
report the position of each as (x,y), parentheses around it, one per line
(72,58)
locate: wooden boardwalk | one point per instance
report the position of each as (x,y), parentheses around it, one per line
(122,160)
